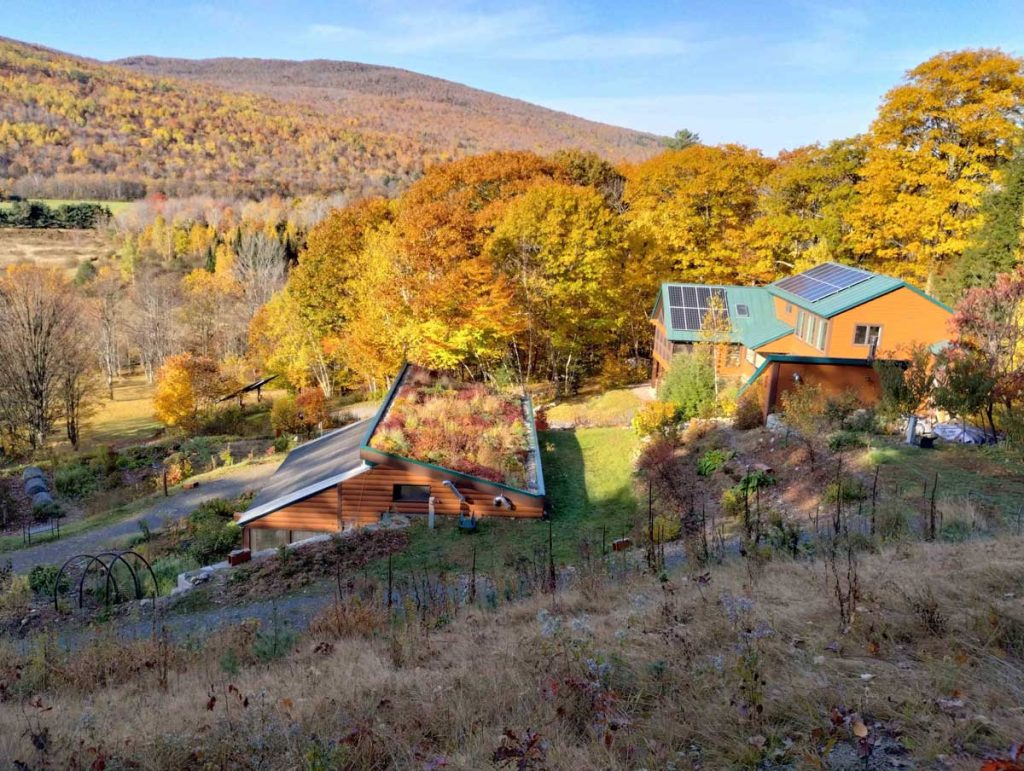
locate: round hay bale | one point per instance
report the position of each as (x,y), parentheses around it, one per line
(31,473)
(35,485)
(41,500)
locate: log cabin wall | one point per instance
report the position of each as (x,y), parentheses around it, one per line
(366,496)
(318,512)
(362,499)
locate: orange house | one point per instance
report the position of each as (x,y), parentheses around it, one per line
(344,479)
(826,326)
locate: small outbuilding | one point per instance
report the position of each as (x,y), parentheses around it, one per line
(436,445)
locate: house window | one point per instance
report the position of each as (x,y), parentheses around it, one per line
(800,324)
(742,310)
(867,334)
(750,356)
(789,308)
(410,493)
(822,333)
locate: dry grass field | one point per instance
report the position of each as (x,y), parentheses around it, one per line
(51,248)
(747,669)
(128,418)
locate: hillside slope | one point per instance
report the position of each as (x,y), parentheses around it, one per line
(444,115)
(72,127)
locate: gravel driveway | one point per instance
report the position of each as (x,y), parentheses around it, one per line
(229,484)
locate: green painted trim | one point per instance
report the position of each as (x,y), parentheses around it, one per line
(528,402)
(786,358)
(755,376)
(927,296)
(382,410)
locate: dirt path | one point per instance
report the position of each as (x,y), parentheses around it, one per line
(229,484)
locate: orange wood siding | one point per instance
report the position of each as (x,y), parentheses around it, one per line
(366,496)
(362,499)
(318,512)
(833,378)
(905,317)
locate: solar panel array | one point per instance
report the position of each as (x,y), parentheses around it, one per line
(689,305)
(823,281)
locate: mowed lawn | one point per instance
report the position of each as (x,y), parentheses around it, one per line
(128,418)
(588,474)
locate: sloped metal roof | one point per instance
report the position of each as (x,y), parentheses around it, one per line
(758,327)
(309,469)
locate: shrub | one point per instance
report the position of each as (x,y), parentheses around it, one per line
(697,429)
(891,523)
(865,420)
(852,490)
(690,385)
(748,412)
(16,596)
(42,579)
(213,531)
(713,460)
(284,415)
(843,440)
(656,418)
(75,481)
(666,528)
(732,502)
(840,407)
(281,444)
(275,643)
(618,371)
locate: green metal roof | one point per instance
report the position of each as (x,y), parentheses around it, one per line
(759,327)
(845,299)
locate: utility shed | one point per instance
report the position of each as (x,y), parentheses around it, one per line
(408,458)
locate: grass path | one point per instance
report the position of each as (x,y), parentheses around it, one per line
(588,474)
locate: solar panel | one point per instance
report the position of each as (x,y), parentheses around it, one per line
(689,306)
(823,281)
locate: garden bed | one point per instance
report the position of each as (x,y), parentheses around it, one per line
(466,427)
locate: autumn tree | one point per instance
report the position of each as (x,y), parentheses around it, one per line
(151,324)
(995,247)
(108,298)
(937,144)
(563,251)
(906,384)
(187,387)
(45,353)
(989,328)
(804,205)
(259,269)
(696,206)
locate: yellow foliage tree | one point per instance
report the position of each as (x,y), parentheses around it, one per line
(187,387)
(936,145)
(696,205)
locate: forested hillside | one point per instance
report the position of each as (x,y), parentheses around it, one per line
(445,116)
(75,128)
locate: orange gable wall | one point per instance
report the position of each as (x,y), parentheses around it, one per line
(905,317)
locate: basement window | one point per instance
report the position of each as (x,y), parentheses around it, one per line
(410,493)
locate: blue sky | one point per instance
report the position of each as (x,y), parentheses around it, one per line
(766,74)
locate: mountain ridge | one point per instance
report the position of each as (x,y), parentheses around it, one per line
(75,127)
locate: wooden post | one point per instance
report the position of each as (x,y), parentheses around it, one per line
(551,558)
(390,581)
(874,498)
(165,483)
(931,509)
(472,580)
